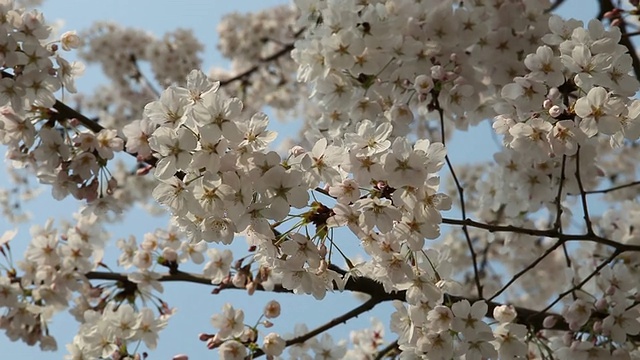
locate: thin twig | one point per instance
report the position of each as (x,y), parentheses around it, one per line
(584,281)
(558,223)
(554,6)
(285,50)
(619,187)
(527,268)
(342,319)
(583,196)
(545,233)
(474,258)
(387,349)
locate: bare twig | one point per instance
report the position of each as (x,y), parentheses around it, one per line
(583,196)
(558,223)
(554,6)
(342,319)
(584,281)
(386,350)
(545,233)
(527,268)
(474,257)
(284,51)
(608,190)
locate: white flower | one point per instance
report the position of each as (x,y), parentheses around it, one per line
(218,266)
(621,322)
(545,66)
(173,147)
(137,133)
(230,322)
(369,139)
(599,112)
(379,213)
(505,313)
(273,344)
(326,349)
(232,350)
(174,194)
(468,318)
(509,340)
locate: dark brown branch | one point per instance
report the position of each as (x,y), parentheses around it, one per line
(386,350)
(583,196)
(527,268)
(556,4)
(285,50)
(531,318)
(544,233)
(584,281)
(342,319)
(619,187)
(558,223)
(460,189)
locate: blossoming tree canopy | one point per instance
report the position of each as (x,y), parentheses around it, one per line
(534,254)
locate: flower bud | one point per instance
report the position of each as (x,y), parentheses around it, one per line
(297,150)
(169,254)
(272,309)
(597,327)
(423,84)
(549,322)
(70,40)
(504,313)
(601,304)
(239,280)
(437,72)
(251,287)
(555,111)
(273,344)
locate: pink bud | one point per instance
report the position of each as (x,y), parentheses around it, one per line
(597,327)
(239,280)
(180,357)
(555,111)
(297,150)
(169,254)
(251,287)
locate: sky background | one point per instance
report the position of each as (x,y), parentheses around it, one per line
(195,303)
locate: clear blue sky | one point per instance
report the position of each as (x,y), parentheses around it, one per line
(194,302)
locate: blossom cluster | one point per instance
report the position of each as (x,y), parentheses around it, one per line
(218,180)
(44,282)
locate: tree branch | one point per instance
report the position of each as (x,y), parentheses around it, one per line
(608,190)
(366,306)
(531,318)
(543,233)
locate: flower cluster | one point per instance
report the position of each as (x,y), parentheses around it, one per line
(44,282)
(234,337)
(218,180)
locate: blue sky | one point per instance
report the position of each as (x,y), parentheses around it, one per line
(194,302)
